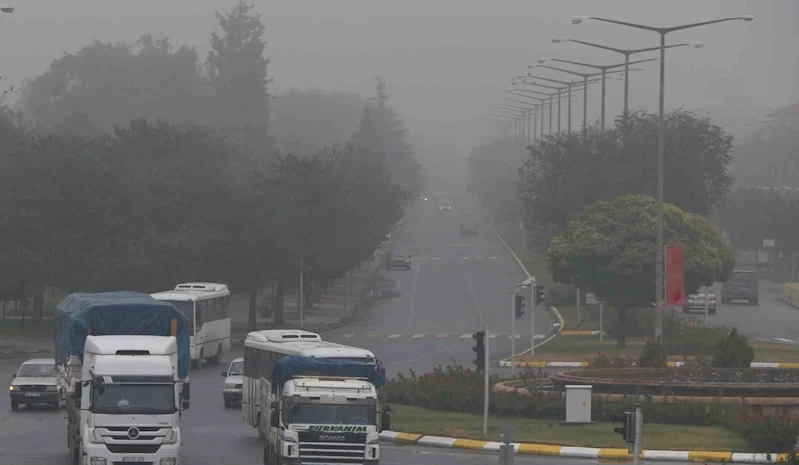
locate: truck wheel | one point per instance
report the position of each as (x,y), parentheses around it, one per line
(218,357)
(14,406)
(261,432)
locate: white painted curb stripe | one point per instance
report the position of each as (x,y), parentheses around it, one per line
(591,452)
(667,455)
(551,364)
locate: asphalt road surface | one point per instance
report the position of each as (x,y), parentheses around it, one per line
(769,319)
(455,286)
(213,435)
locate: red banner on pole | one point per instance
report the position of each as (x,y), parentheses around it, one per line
(675,277)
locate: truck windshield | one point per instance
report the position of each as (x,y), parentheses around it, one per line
(133,398)
(331,414)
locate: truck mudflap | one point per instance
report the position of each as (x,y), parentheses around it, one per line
(332,447)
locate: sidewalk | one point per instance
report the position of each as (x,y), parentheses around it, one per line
(338,305)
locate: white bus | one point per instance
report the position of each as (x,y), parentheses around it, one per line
(262,349)
(206,307)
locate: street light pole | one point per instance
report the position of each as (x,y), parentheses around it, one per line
(627,53)
(659,246)
(604,70)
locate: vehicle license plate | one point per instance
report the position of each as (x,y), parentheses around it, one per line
(32,394)
(132,459)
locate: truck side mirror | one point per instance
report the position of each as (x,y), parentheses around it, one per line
(186,404)
(14,375)
(274,419)
(274,405)
(385,421)
(186,393)
(224,374)
(78,391)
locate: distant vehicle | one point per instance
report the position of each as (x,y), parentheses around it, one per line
(206,307)
(469,227)
(233,381)
(398,260)
(445,207)
(36,382)
(742,285)
(696,302)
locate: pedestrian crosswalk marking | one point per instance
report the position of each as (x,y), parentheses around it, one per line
(347,335)
(493,336)
(442,336)
(493,258)
(466,336)
(393,336)
(436,258)
(417,336)
(438,335)
(464,258)
(457,258)
(372,335)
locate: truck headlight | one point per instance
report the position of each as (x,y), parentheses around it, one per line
(96,437)
(97,461)
(230,385)
(12,388)
(372,451)
(171,437)
(51,388)
(289,448)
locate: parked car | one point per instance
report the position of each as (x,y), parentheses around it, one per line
(231,391)
(742,285)
(398,260)
(697,302)
(35,383)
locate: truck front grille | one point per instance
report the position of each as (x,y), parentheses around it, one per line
(317,448)
(133,448)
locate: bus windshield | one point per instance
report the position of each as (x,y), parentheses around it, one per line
(185,307)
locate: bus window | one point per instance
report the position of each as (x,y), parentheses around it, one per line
(199,313)
(225,302)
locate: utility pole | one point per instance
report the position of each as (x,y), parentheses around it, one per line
(485,382)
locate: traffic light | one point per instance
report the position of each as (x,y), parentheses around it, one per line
(480,349)
(539,295)
(627,431)
(519,307)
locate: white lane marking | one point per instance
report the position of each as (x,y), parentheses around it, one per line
(413,293)
(464,258)
(436,258)
(393,336)
(348,335)
(493,336)
(476,304)
(442,336)
(492,258)
(466,336)
(417,336)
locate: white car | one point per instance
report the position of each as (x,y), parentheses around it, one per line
(233,380)
(697,302)
(35,383)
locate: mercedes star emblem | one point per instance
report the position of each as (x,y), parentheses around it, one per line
(133,433)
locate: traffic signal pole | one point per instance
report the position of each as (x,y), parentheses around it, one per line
(513,333)
(533,305)
(639,433)
(485,384)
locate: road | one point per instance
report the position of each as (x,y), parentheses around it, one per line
(456,285)
(213,435)
(769,319)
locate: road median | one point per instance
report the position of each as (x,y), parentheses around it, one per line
(554,450)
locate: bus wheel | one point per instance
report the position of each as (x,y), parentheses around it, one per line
(261,432)
(218,357)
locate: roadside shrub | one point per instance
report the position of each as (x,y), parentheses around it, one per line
(767,434)
(653,356)
(603,361)
(734,351)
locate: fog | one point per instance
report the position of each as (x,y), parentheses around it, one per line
(446,61)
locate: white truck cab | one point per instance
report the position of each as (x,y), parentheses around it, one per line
(125,401)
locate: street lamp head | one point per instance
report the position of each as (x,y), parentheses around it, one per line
(557,40)
(697,45)
(578,19)
(747,18)
(7,8)
(543,60)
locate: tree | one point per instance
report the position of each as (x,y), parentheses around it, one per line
(565,173)
(393,143)
(609,250)
(104,85)
(734,351)
(237,71)
(770,156)
(304,122)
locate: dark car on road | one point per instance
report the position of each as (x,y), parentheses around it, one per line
(742,285)
(469,227)
(398,260)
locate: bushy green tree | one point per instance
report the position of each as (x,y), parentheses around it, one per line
(609,250)
(567,172)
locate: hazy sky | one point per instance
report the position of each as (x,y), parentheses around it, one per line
(445,61)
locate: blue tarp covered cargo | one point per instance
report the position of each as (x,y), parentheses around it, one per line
(296,365)
(117,313)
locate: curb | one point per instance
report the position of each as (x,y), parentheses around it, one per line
(527,273)
(584,364)
(581,452)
